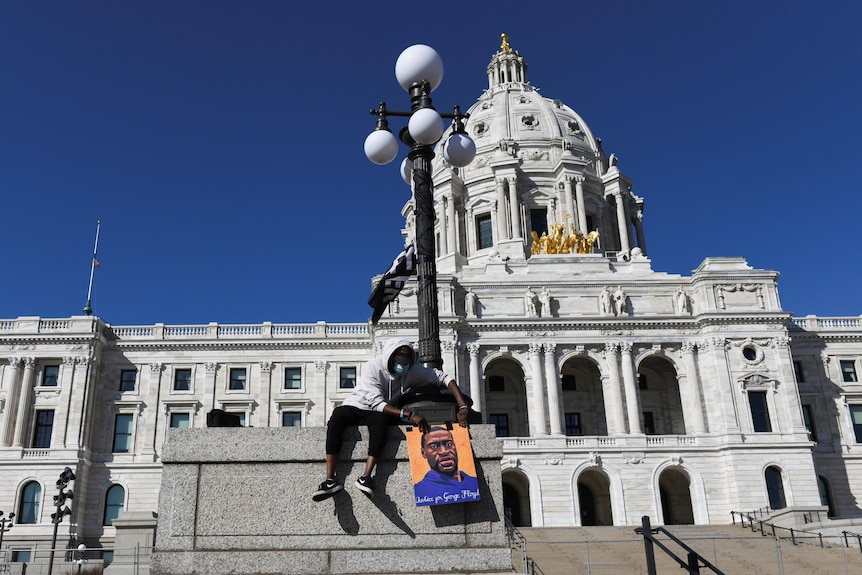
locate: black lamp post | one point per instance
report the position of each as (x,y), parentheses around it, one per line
(5,525)
(62,509)
(78,557)
(419,70)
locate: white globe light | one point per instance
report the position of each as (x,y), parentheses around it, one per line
(425,126)
(419,63)
(407,171)
(381,147)
(459,150)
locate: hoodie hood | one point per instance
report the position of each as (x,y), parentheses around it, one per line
(390,346)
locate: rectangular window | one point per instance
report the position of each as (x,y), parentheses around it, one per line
(573,424)
(291,419)
(649,423)
(642,381)
(539,221)
(568,382)
(848,370)
(50,375)
(484,232)
(22,556)
(759,411)
(797,370)
(347,377)
(237,378)
(44,427)
(180,420)
(808,418)
(856,421)
(128,377)
(123,433)
(501,422)
(496,383)
(183,380)
(292,378)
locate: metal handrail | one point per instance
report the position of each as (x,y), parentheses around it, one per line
(516,539)
(851,534)
(694,560)
(796,536)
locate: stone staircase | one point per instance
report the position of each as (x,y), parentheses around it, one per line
(733,549)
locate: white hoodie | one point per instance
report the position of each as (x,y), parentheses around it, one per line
(377,386)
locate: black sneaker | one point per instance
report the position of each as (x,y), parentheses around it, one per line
(365,485)
(327,489)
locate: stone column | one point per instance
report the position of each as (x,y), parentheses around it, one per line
(633,403)
(514,208)
(449,353)
(612,392)
(26,397)
(639,229)
(442,217)
(451,224)
(495,211)
(471,233)
(582,210)
(551,213)
(555,392)
(148,427)
(476,387)
(723,393)
(791,413)
(502,227)
(568,202)
(13,384)
(537,414)
(622,222)
(73,412)
(212,369)
(692,402)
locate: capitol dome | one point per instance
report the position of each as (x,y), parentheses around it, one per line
(538,168)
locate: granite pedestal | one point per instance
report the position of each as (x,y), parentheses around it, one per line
(238,501)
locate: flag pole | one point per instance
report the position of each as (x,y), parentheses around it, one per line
(88,310)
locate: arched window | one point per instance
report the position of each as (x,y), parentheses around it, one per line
(114,500)
(775,488)
(31,497)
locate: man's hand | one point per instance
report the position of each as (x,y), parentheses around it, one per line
(463,416)
(419,421)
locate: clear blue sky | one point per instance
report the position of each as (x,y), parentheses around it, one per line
(220,143)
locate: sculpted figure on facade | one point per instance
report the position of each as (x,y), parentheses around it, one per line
(605,301)
(530,303)
(682,304)
(619,301)
(545,300)
(470,303)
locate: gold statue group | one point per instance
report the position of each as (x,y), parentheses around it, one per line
(560,242)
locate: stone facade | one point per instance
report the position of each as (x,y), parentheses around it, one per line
(617,390)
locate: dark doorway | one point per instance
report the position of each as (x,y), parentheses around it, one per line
(673,487)
(594,498)
(588,505)
(512,506)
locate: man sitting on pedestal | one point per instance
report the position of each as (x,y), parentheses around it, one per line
(382,381)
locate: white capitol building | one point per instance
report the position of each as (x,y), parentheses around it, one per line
(618,391)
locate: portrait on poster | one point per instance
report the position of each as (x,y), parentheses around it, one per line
(442,465)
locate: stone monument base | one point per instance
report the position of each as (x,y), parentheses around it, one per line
(238,501)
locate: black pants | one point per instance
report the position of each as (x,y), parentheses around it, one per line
(345,416)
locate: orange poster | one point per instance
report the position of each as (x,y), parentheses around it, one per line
(442,465)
